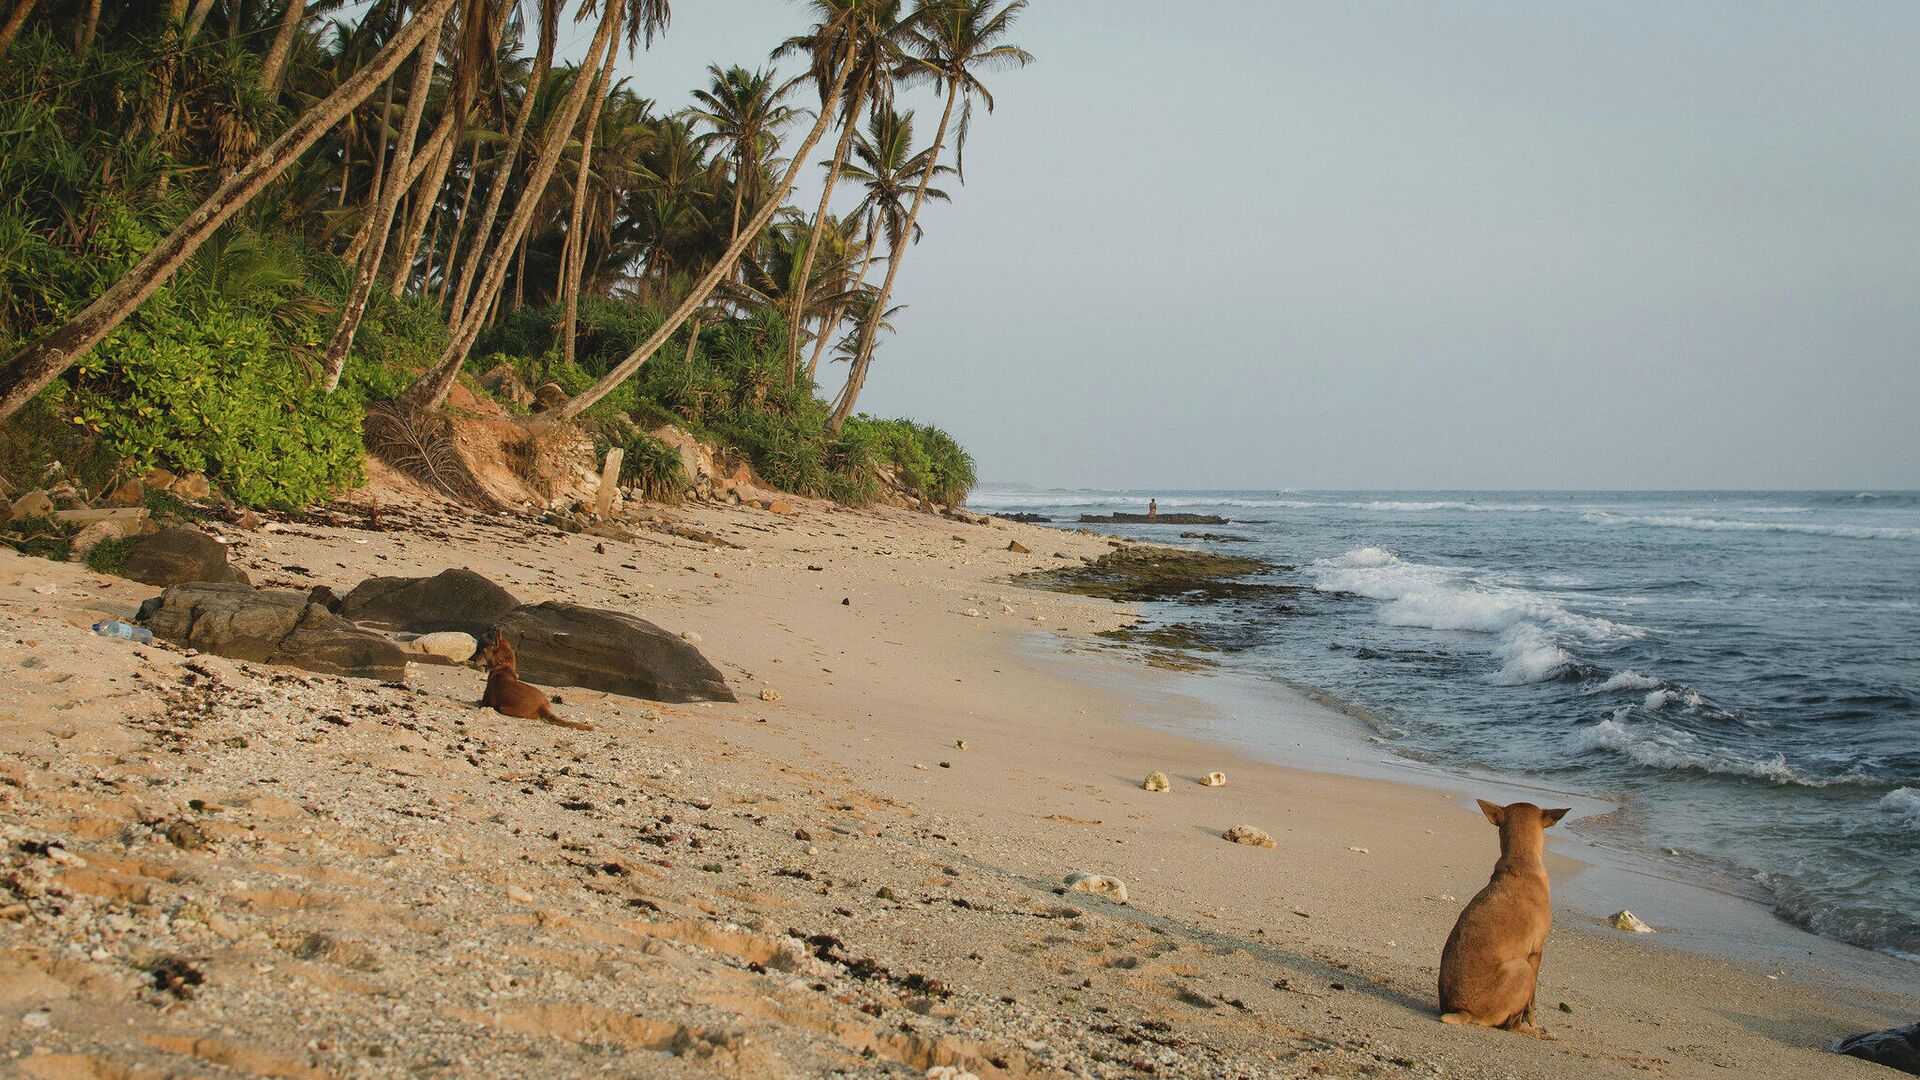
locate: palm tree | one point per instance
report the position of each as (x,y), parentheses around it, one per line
(835,77)
(746,110)
(30,369)
(15,20)
(868,33)
(953,41)
(274,66)
(573,257)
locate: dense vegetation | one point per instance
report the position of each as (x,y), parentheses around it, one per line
(227,226)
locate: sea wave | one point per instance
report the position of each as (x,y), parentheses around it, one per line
(1626,680)
(1700,524)
(1903,803)
(1535,634)
(1654,745)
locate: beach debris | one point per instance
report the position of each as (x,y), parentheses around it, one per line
(1248,835)
(1018,548)
(1628,921)
(114,628)
(185,835)
(971,613)
(768,693)
(1214,779)
(846,601)
(1360,850)
(949,1072)
(1673,851)
(1565,1008)
(1157,781)
(1098,884)
(1896,1048)
(960,744)
(689,637)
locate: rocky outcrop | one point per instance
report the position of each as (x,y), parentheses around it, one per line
(177,556)
(1896,1048)
(560,644)
(270,626)
(457,600)
(505,383)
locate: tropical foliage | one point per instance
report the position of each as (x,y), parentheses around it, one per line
(226,226)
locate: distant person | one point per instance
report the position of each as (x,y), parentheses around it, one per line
(1153,509)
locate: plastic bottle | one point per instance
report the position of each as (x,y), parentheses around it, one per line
(116,629)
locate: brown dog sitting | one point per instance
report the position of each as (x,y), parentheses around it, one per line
(1491,963)
(506,694)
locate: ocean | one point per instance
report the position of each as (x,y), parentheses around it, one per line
(1740,670)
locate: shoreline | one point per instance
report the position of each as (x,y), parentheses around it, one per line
(844,812)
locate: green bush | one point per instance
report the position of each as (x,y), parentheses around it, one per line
(110,556)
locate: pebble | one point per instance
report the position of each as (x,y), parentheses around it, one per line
(769,694)
(1214,779)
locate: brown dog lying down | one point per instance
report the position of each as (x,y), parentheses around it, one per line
(1491,963)
(506,694)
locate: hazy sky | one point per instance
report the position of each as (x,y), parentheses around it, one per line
(1255,244)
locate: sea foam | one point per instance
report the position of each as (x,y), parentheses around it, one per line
(1903,803)
(1535,634)
(1664,748)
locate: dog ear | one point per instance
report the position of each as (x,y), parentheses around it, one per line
(1549,817)
(1496,813)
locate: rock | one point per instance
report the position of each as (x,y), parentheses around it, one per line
(185,835)
(457,600)
(971,613)
(548,396)
(960,744)
(450,645)
(273,626)
(324,597)
(1157,781)
(1628,921)
(177,556)
(193,486)
(1018,548)
(561,644)
(505,383)
(689,637)
(1248,835)
(31,505)
(1896,1048)
(248,520)
(1214,779)
(158,479)
(131,493)
(768,693)
(778,506)
(1099,885)
(117,528)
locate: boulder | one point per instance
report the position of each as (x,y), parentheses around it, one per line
(118,528)
(131,493)
(177,556)
(561,644)
(505,383)
(550,395)
(457,599)
(1896,1048)
(31,505)
(193,486)
(271,626)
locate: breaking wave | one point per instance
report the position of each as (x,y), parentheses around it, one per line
(1699,524)
(1903,803)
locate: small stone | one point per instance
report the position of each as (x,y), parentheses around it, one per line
(1214,779)
(971,613)
(768,693)
(248,520)
(689,637)
(1099,885)
(519,895)
(65,858)
(960,744)
(1248,835)
(39,1019)
(131,493)
(158,479)
(186,836)
(31,505)
(1018,548)
(1628,921)
(1359,850)
(1157,781)
(446,644)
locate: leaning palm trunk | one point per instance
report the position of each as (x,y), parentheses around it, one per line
(459,227)
(89,25)
(397,177)
(574,259)
(722,267)
(798,315)
(870,328)
(15,20)
(509,156)
(28,371)
(432,388)
(426,200)
(374,188)
(275,65)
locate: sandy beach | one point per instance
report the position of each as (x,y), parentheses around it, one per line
(221,868)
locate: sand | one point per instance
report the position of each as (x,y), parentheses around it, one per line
(217,868)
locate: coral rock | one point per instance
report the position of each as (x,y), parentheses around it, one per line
(1248,835)
(1157,781)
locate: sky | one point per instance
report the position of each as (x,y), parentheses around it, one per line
(1413,246)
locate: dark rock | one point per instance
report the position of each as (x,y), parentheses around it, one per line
(1031,519)
(324,597)
(270,626)
(177,556)
(504,383)
(550,395)
(1160,519)
(560,644)
(1896,1048)
(1018,548)
(450,600)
